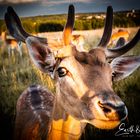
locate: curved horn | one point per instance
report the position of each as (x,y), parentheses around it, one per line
(107,28)
(115,52)
(15,28)
(67,32)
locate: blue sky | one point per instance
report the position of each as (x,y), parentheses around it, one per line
(26,8)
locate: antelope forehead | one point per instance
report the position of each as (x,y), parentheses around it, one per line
(77,67)
(69,63)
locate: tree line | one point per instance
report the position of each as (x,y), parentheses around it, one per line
(56,23)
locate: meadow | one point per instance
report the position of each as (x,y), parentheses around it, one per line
(17,73)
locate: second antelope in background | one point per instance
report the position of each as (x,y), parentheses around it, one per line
(11,44)
(119,38)
(83,80)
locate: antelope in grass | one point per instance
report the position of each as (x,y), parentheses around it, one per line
(78,41)
(83,80)
(119,38)
(12,44)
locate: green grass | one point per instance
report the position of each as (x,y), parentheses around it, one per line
(16,74)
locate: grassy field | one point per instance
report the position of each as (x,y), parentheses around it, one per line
(17,73)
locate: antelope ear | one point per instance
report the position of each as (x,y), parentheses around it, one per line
(124,66)
(40,54)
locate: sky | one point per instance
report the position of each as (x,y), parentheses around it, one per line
(26,8)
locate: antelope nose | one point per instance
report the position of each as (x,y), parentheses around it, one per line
(113,112)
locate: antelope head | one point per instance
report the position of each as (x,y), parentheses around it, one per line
(83,79)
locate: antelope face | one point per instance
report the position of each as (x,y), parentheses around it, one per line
(84,89)
(83,79)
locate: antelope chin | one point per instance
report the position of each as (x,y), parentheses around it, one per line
(105,124)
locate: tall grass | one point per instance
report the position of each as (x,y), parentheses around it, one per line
(16,74)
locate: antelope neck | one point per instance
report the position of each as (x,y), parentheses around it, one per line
(63,125)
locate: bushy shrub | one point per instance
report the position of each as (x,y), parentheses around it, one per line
(50,27)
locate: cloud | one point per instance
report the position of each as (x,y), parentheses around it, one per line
(47,2)
(54,2)
(17,1)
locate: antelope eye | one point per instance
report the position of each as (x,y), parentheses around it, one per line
(62,71)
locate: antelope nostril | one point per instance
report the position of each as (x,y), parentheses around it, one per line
(113,112)
(105,108)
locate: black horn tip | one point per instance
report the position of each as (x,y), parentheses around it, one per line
(71,7)
(10,9)
(109,8)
